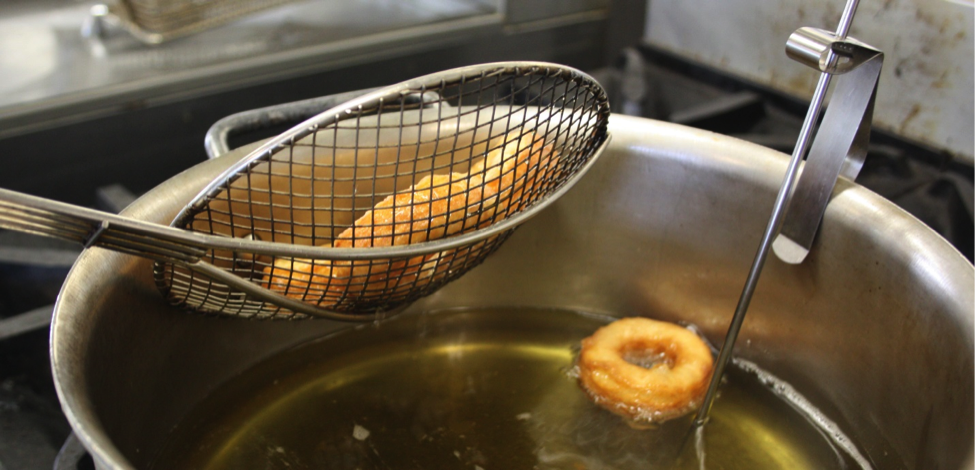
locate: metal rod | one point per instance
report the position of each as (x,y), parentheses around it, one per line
(774,223)
(26,322)
(846,19)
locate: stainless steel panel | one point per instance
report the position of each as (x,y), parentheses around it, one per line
(49,67)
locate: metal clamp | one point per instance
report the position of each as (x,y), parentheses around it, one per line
(840,145)
(825,51)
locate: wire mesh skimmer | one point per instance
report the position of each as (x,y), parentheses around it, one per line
(364,208)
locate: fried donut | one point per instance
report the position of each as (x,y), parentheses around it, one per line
(437,206)
(644,370)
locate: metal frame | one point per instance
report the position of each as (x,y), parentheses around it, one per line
(418,92)
(177,246)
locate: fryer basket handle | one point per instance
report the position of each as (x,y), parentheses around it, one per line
(216,140)
(261,118)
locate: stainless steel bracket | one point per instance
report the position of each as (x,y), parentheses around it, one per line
(827,52)
(840,145)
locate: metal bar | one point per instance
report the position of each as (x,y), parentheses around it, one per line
(71,453)
(37,257)
(59,220)
(114,198)
(148,250)
(41,228)
(114,236)
(775,220)
(26,322)
(257,291)
(18,213)
(216,138)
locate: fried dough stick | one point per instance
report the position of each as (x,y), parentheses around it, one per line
(437,206)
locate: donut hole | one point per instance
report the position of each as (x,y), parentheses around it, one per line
(647,357)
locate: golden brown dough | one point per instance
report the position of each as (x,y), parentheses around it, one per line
(437,206)
(674,384)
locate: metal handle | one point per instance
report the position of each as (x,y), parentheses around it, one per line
(295,112)
(71,453)
(92,228)
(774,223)
(88,227)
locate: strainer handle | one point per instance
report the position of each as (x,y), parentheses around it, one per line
(44,217)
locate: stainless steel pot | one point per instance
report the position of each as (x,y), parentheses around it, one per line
(876,327)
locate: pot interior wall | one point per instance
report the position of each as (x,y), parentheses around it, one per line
(875,328)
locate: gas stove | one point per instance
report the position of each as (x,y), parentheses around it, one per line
(644,81)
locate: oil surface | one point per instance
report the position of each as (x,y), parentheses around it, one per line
(472,389)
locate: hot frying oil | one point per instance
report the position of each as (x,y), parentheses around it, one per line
(473,389)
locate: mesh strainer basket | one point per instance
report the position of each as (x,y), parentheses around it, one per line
(371,205)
